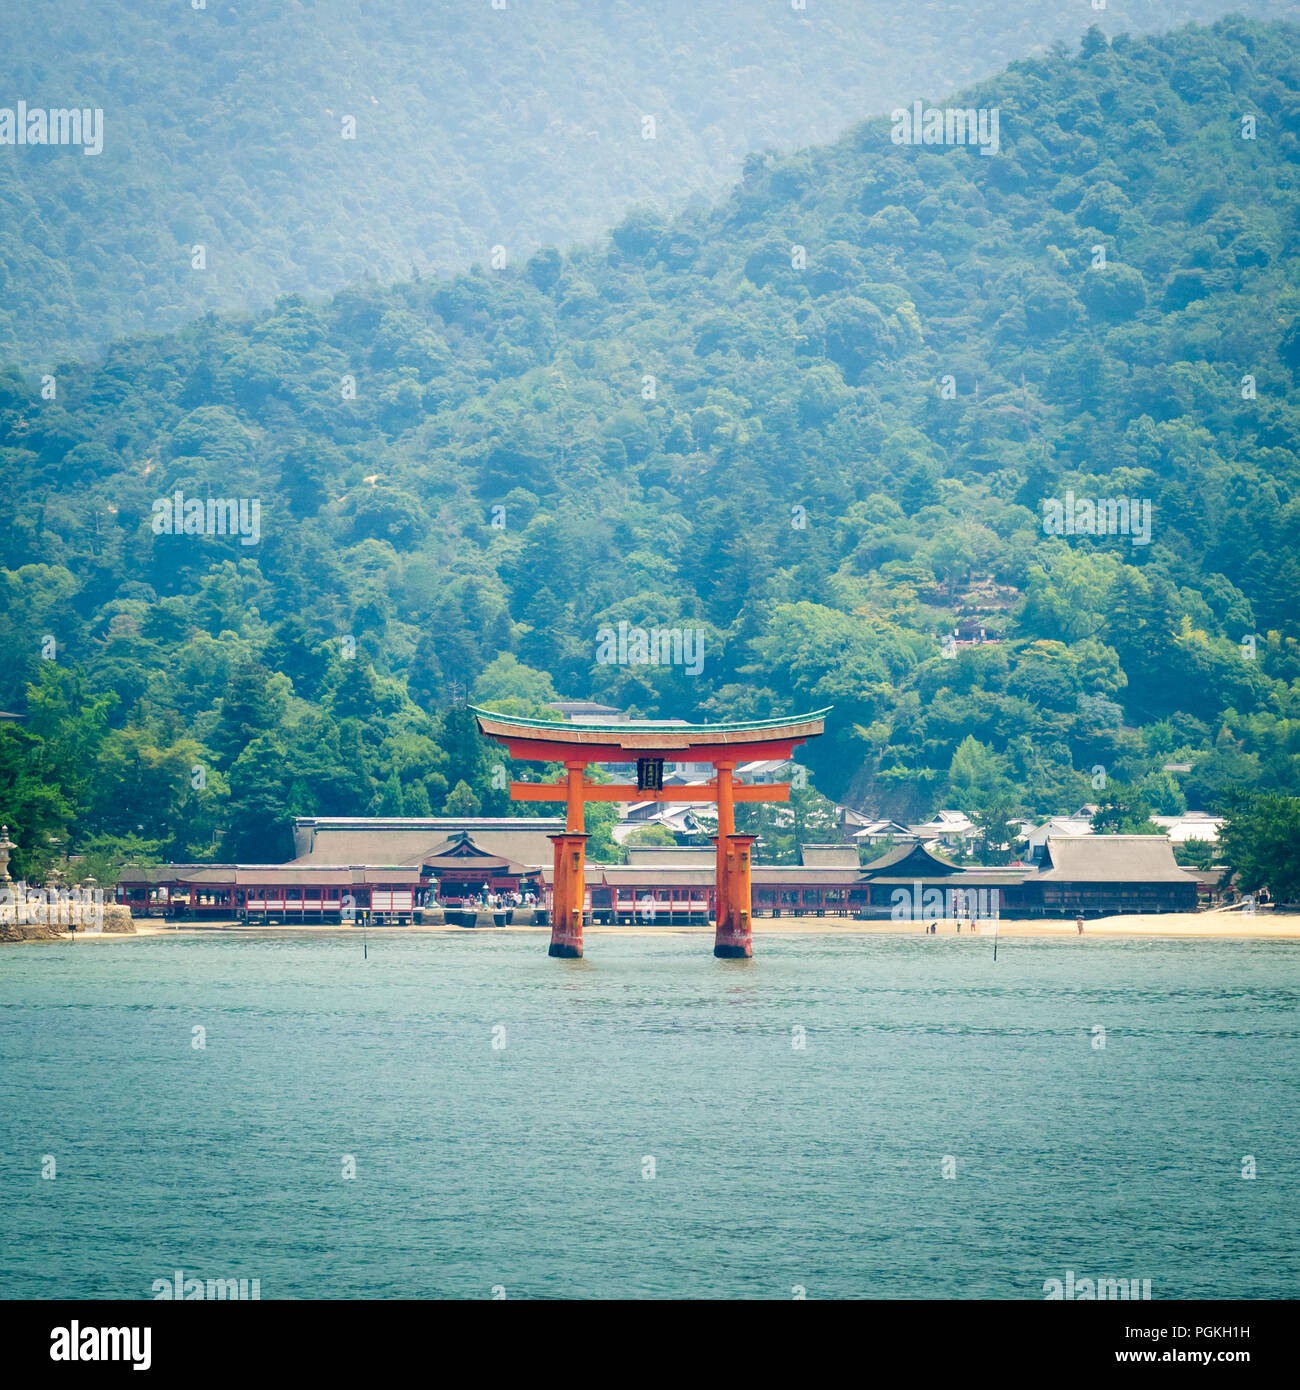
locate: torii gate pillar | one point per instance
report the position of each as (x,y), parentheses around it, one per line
(570,894)
(733,936)
(726,829)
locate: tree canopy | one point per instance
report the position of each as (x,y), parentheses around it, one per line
(835,475)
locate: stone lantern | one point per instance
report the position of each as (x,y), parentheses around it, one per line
(6,847)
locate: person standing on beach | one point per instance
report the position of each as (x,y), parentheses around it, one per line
(1078,922)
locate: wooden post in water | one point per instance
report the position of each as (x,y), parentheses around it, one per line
(726,829)
(733,939)
(570,893)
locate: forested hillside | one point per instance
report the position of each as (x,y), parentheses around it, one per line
(307,145)
(821,422)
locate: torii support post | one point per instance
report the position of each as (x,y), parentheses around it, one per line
(733,937)
(726,829)
(569,897)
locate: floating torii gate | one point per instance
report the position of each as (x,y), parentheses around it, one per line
(648,743)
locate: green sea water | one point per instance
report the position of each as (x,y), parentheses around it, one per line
(648,1122)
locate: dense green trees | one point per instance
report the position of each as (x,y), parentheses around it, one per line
(305,147)
(1261,842)
(837,475)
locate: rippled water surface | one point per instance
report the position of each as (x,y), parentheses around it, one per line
(524,1166)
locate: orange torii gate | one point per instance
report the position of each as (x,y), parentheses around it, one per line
(648,743)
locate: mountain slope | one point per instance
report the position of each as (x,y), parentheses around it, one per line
(475,127)
(840,458)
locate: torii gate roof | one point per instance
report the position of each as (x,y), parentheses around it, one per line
(557,741)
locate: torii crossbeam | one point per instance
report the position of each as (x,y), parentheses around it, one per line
(649,744)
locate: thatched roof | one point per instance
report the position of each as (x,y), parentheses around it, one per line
(157,873)
(462,855)
(296,875)
(828,856)
(1112,859)
(400,840)
(670,856)
(630,876)
(914,859)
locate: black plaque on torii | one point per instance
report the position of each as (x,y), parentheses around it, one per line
(649,774)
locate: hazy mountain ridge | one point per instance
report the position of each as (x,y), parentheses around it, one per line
(480,128)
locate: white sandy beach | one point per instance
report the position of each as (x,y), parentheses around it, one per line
(1265,925)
